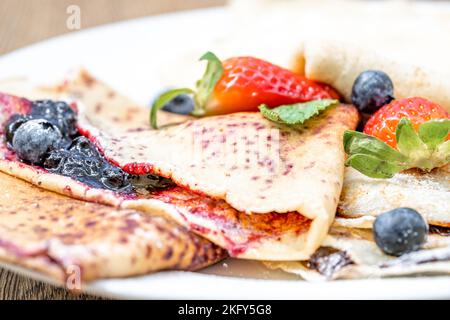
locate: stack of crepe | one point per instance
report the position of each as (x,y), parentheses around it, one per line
(244,186)
(279,206)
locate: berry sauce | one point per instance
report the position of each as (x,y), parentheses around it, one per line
(46,135)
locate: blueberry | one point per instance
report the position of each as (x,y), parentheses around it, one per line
(400,231)
(13,123)
(371,90)
(181,104)
(34,139)
(59,113)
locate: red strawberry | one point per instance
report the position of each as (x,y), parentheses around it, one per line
(383,123)
(248,82)
(243,84)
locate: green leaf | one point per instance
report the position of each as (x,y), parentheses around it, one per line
(360,143)
(410,145)
(296,113)
(442,154)
(269,113)
(374,167)
(434,132)
(162,100)
(205,86)
(426,150)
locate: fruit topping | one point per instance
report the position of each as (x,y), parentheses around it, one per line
(83,162)
(59,113)
(400,231)
(407,133)
(13,123)
(383,123)
(243,84)
(371,90)
(35,139)
(181,104)
(47,136)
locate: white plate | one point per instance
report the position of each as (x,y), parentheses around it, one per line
(133,56)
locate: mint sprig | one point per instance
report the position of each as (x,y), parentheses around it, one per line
(425,150)
(204,88)
(296,113)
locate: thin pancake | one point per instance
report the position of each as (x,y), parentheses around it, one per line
(271,236)
(338,64)
(54,234)
(428,193)
(351,253)
(253,164)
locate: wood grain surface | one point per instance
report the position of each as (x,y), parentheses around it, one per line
(23,22)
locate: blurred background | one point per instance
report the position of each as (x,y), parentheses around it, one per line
(23,22)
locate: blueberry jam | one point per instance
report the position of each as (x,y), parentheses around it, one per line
(82,161)
(59,113)
(48,137)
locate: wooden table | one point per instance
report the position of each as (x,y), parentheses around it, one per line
(23,22)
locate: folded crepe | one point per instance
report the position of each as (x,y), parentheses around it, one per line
(291,190)
(58,236)
(351,253)
(338,64)
(428,193)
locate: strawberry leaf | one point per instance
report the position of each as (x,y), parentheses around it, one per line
(376,159)
(410,144)
(296,113)
(206,85)
(162,100)
(434,132)
(374,167)
(360,143)
(442,154)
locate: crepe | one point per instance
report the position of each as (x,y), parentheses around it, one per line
(351,253)
(428,193)
(58,236)
(338,64)
(268,236)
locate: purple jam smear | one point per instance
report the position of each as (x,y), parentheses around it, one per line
(65,151)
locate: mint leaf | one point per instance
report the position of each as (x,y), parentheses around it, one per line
(206,85)
(434,132)
(360,143)
(162,100)
(374,167)
(269,113)
(296,113)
